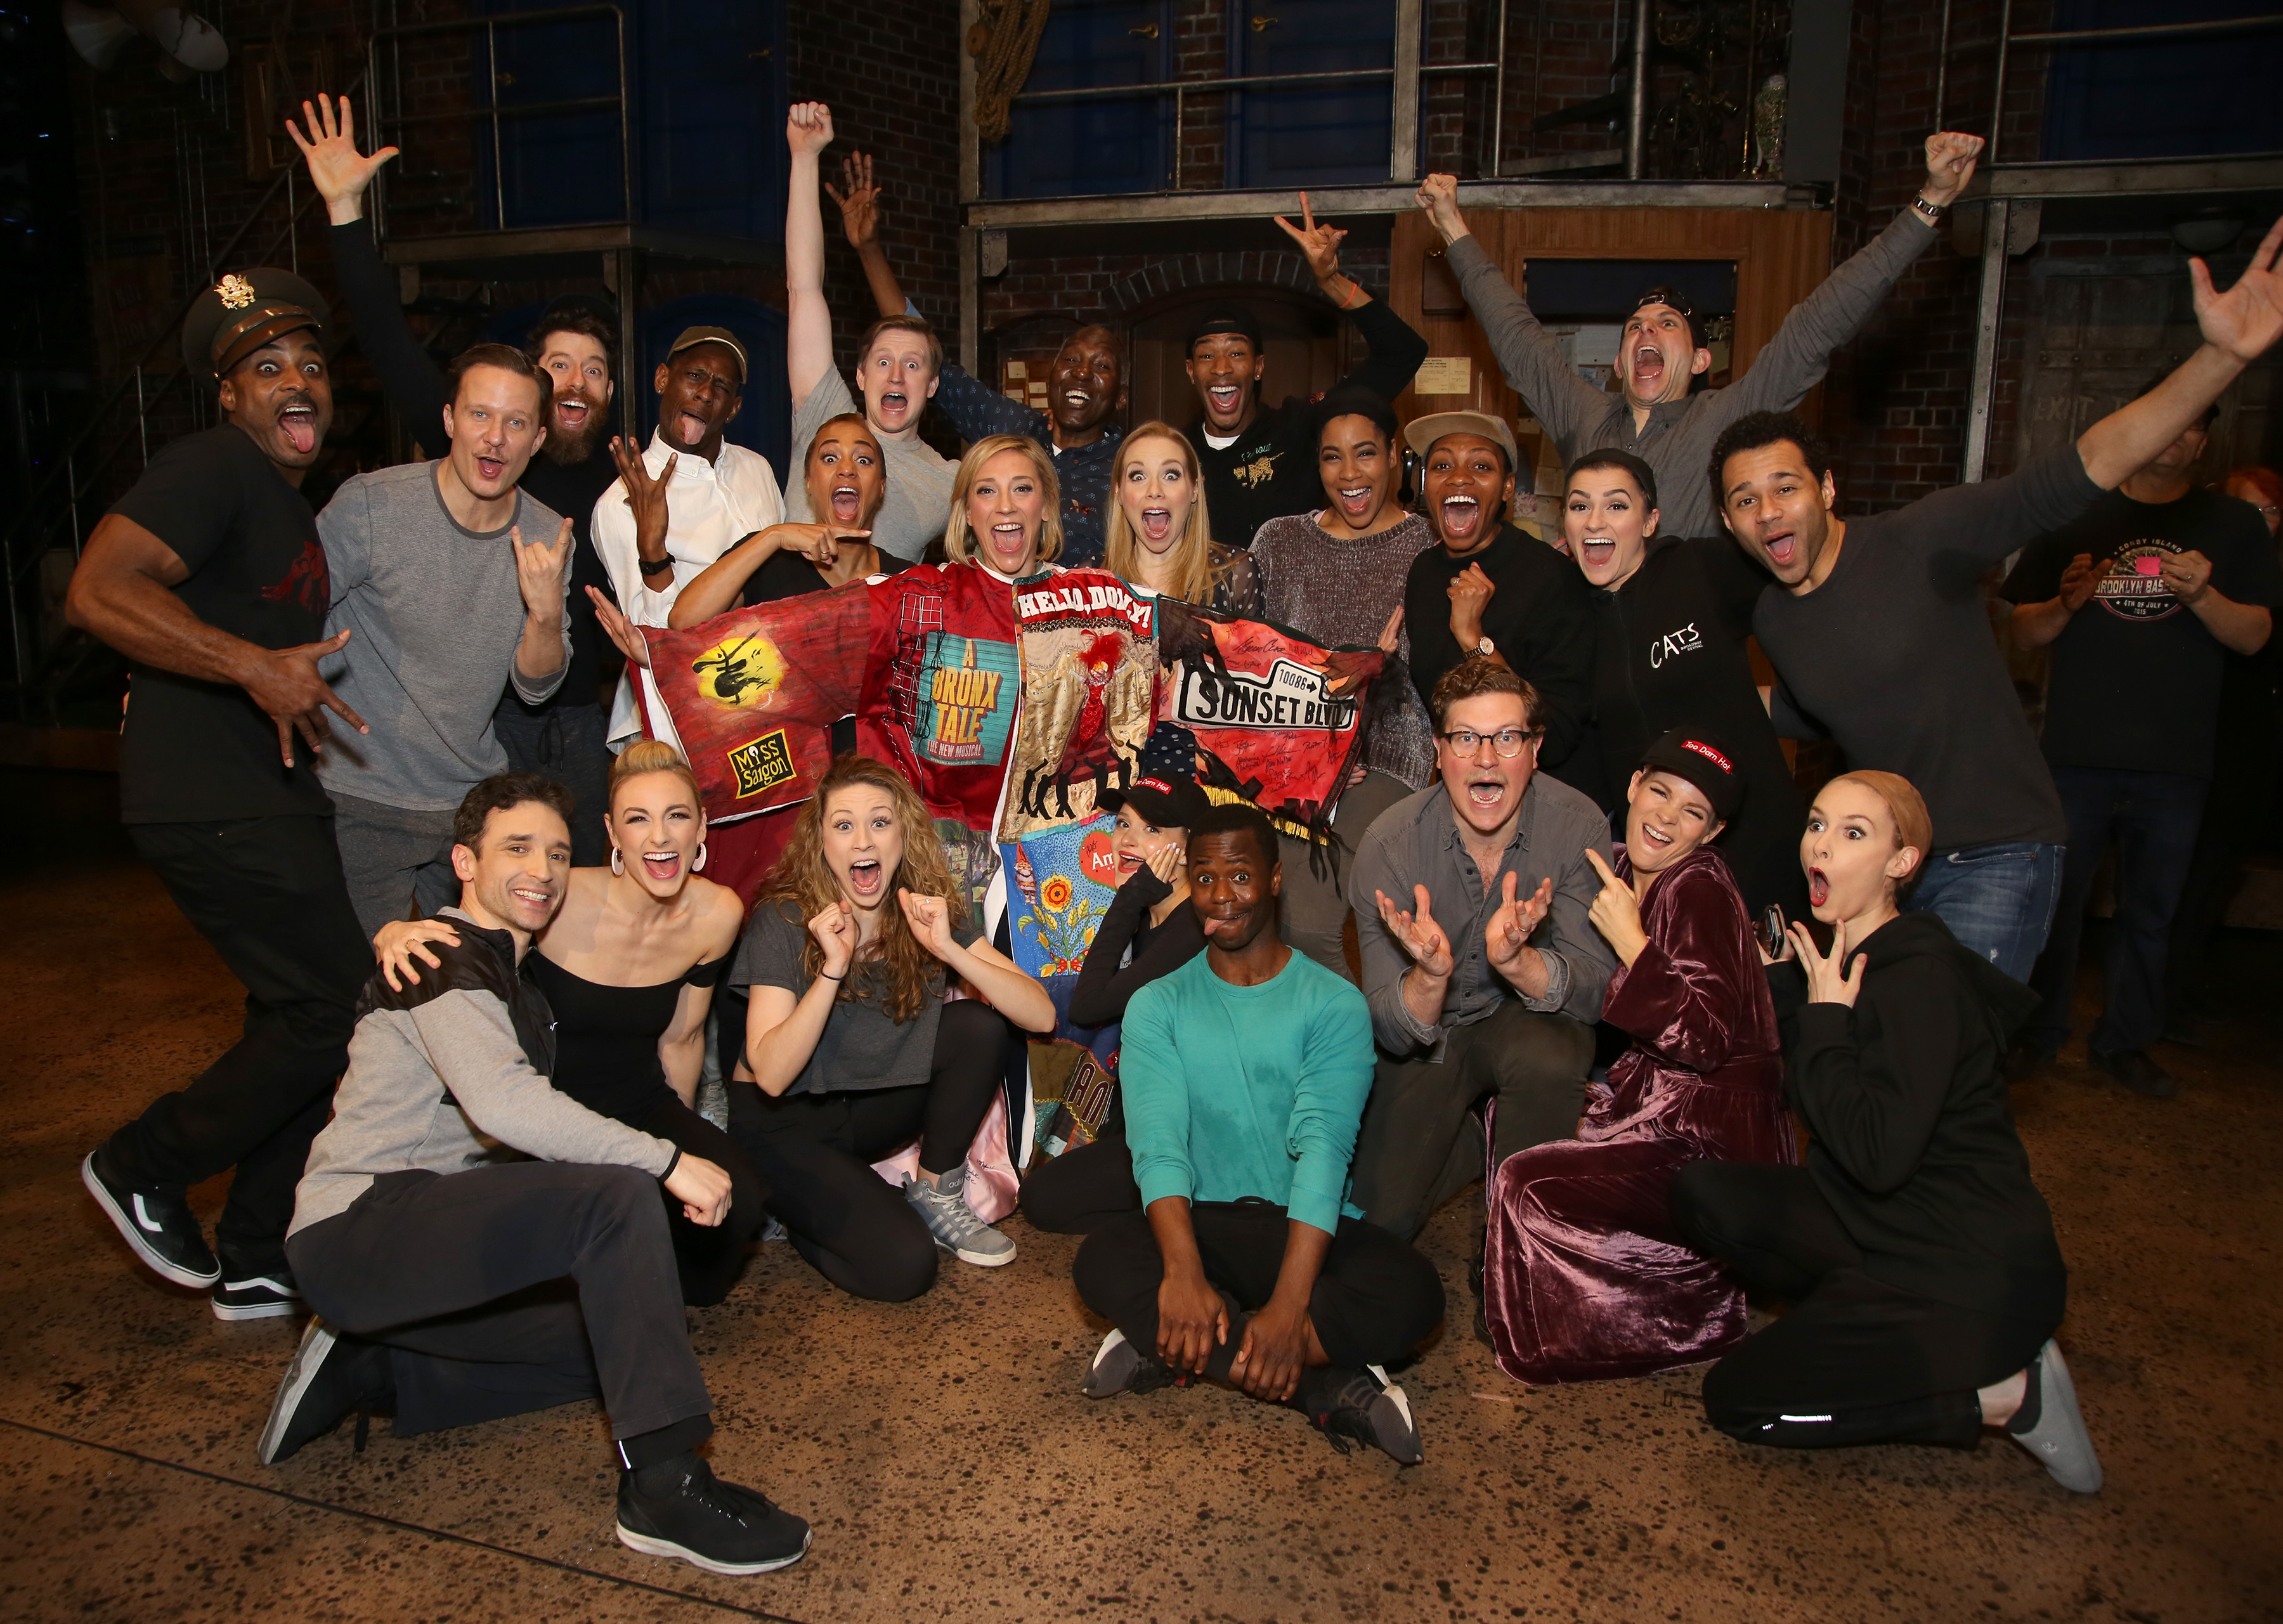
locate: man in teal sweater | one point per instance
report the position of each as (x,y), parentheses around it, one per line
(1245,1073)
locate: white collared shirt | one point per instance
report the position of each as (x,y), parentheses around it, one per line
(710,507)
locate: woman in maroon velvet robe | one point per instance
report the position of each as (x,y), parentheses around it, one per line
(1586,1277)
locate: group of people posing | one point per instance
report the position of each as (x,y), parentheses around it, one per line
(493,947)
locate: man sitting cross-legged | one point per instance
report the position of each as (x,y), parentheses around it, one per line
(1246,1072)
(459,1282)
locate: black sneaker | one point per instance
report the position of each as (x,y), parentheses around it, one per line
(1120,1367)
(156,1222)
(678,1508)
(2134,1069)
(259,1296)
(331,1378)
(1344,1402)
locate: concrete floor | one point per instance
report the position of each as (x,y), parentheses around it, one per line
(951,1470)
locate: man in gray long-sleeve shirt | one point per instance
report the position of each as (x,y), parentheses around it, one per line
(455,1195)
(450,581)
(1658,419)
(1449,887)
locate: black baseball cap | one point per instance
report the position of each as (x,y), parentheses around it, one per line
(1225,319)
(1165,788)
(1704,761)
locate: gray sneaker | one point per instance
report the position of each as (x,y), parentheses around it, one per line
(956,1228)
(2051,1427)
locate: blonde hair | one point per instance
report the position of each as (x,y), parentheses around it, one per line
(803,885)
(645,756)
(1192,553)
(958,541)
(1914,825)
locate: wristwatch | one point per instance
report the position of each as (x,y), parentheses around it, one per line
(1931,213)
(1485,646)
(655,566)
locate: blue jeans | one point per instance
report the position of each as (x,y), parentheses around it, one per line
(1998,900)
(2153,817)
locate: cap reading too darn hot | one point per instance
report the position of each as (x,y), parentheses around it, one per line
(1701,759)
(1164,788)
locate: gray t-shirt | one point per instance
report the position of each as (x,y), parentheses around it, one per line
(437,614)
(861,1048)
(918,500)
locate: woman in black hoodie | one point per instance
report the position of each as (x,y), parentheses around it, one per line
(1670,619)
(1919,1257)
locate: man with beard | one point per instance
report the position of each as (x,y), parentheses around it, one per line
(574,343)
(454,1284)
(1489,589)
(1662,418)
(1087,391)
(450,604)
(898,365)
(209,576)
(1879,631)
(687,499)
(1469,996)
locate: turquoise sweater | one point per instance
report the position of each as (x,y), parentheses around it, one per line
(1233,1092)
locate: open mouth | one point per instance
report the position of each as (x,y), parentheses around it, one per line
(691,428)
(1222,399)
(1356,502)
(893,403)
(299,424)
(541,898)
(664,867)
(572,412)
(1076,399)
(491,469)
(1157,525)
(1783,548)
(1818,887)
(1649,366)
(1596,552)
(1461,515)
(1127,862)
(845,504)
(1009,542)
(1486,792)
(866,879)
(1654,839)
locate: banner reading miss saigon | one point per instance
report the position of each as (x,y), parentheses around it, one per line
(753,694)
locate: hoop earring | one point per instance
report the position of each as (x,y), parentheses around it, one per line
(617,861)
(700,863)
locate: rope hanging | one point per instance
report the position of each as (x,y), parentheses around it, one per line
(1002,44)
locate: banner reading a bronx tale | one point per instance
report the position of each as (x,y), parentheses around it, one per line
(753,692)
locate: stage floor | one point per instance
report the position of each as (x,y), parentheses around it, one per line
(951,1470)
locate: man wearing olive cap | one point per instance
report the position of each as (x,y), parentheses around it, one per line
(209,576)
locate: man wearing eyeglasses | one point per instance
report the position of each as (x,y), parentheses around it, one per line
(1483,974)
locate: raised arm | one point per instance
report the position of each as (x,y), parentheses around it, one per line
(1528,355)
(2238,326)
(410,377)
(808,319)
(858,197)
(1393,347)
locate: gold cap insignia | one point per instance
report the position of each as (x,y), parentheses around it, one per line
(236,292)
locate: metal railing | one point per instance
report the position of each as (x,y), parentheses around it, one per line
(395,118)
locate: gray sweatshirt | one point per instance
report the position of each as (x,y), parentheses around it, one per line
(451,1073)
(1678,440)
(437,614)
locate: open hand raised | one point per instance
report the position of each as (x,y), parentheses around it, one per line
(1830,979)
(859,199)
(339,172)
(1418,933)
(2247,319)
(1507,934)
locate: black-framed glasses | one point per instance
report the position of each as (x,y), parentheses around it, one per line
(1507,742)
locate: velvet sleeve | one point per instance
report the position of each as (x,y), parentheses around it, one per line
(1873,1106)
(1689,993)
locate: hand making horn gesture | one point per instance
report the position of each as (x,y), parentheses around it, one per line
(1829,980)
(1417,930)
(645,497)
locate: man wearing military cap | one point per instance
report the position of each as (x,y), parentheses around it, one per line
(209,576)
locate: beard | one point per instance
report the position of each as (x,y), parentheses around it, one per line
(567,450)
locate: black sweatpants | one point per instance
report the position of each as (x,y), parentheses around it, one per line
(267,894)
(1857,1360)
(1079,1191)
(1376,1300)
(507,1289)
(815,1153)
(708,1260)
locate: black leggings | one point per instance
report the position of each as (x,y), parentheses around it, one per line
(708,1259)
(1374,1300)
(814,1156)
(1857,1360)
(1079,1191)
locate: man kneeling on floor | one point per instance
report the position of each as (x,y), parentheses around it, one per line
(1246,1072)
(458,1282)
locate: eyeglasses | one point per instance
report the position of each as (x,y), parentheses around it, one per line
(1507,742)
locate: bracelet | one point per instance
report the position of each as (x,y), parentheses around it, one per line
(654,566)
(821,975)
(1354,296)
(1931,213)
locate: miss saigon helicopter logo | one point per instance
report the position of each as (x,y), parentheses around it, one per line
(740,673)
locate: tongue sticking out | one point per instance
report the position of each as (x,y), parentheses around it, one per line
(300,431)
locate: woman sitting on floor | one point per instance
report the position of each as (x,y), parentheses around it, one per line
(1585,1277)
(1920,1259)
(854,1050)
(628,966)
